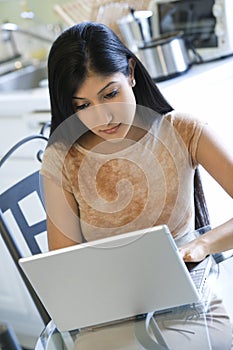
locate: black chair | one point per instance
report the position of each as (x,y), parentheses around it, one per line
(11,201)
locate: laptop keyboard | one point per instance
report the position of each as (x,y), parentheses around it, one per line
(197,277)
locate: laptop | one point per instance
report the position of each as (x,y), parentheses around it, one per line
(111,279)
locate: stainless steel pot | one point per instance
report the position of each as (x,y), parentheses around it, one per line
(137,28)
(165,57)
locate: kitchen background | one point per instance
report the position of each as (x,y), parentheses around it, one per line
(204,90)
(35,16)
(11,9)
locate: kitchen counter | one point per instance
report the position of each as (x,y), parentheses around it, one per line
(205,91)
(209,71)
(23,101)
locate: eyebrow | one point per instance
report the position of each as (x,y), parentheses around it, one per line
(105,87)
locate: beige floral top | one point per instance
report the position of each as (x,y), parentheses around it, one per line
(146,184)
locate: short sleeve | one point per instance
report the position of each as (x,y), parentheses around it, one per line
(53,165)
(189,129)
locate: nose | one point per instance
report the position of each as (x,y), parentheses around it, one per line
(103,114)
(108,117)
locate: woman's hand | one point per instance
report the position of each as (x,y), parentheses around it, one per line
(194,251)
(217,240)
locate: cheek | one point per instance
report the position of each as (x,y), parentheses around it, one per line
(87,119)
(131,105)
(130,113)
(124,111)
(119,112)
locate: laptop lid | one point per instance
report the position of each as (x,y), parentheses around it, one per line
(111,279)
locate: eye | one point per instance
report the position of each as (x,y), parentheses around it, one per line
(81,107)
(112,94)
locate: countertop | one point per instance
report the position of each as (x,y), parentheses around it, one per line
(209,71)
(19,102)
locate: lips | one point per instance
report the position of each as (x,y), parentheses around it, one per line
(112,130)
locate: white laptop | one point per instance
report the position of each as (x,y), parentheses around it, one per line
(111,279)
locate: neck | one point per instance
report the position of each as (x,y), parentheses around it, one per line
(94,143)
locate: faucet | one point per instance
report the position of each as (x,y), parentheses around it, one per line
(12,27)
(8,28)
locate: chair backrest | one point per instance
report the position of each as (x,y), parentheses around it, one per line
(14,199)
(22,203)
(22,215)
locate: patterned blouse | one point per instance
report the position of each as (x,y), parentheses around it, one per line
(146,184)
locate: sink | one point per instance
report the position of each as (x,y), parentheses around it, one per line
(29,77)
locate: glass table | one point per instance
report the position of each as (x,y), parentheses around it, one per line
(142,332)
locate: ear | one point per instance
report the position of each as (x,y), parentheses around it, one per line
(132,65)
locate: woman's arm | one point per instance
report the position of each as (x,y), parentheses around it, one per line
(63,224)
(218,161)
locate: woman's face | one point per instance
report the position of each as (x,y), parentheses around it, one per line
(106,105)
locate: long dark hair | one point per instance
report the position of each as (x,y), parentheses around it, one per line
(91,46)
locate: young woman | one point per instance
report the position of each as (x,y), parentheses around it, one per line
(121,159)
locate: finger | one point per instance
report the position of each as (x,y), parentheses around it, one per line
(187,257)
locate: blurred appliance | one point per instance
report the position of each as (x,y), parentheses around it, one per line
(164,56)
(137,28)
(207,25)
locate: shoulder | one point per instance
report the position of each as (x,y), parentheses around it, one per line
(61,163)
(57,156)
(54,153)
(186,124)
(189,129)
(181,120)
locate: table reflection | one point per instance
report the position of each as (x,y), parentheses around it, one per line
(139,333)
